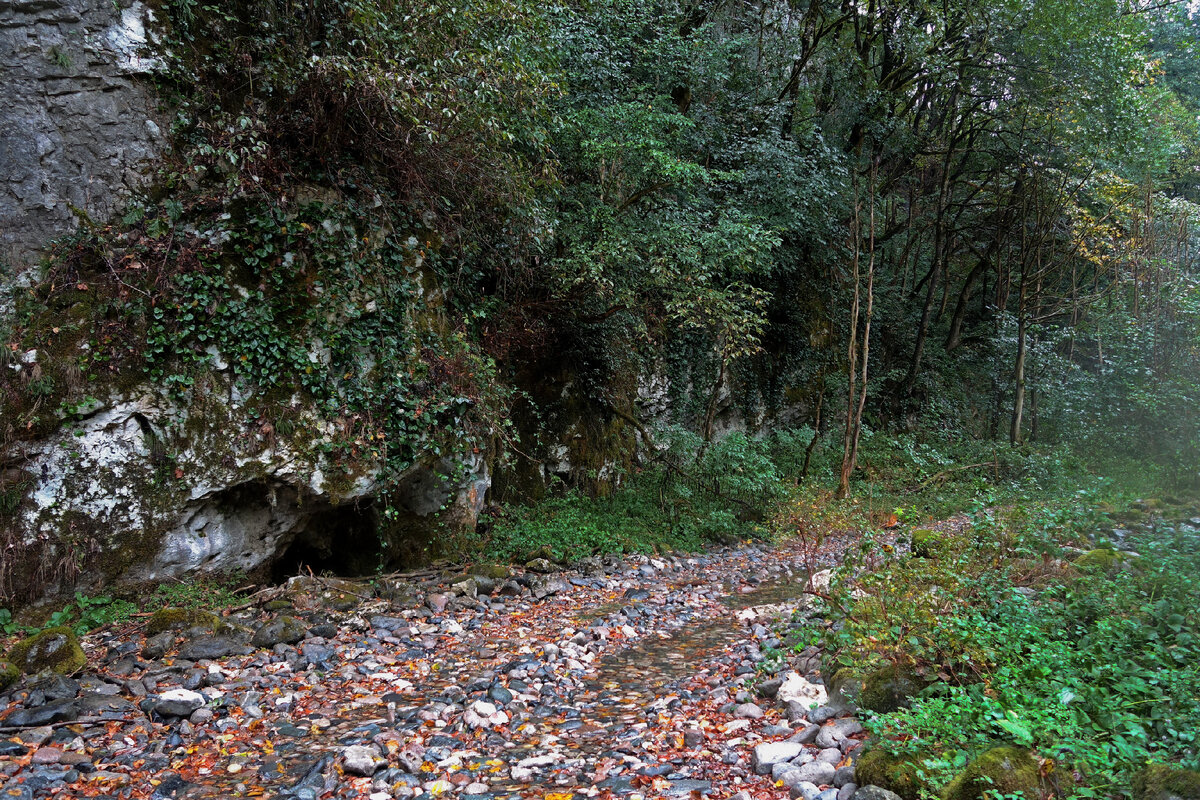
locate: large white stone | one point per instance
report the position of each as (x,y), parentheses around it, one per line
(795,689)
(769,754)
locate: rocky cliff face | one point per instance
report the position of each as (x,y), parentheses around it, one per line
(78,125)
(136,483)
(140,488)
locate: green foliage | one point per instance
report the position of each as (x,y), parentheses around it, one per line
(691,495)
(1094,669)
(86,613)
(202,593)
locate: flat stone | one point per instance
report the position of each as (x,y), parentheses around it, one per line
(11,748)
(48,714)
(46,755)
(178,702)
(209,648)
(770,753)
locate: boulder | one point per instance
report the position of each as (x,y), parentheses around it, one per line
(8,674)
(1164,782)
(178,619)
(931,544)
(1004,770)
(1104,560)
(769,754)
(893,773)
(889,688)
(54,649)
(285,630)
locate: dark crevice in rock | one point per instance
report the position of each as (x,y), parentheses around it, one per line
(343,540)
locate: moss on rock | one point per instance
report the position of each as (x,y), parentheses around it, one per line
(174,619)
(1164,782)
(1104,560)
(889,688)
(928,543)
(894,773)
(54,649)
(1006,770)
(8,674)
(497,572)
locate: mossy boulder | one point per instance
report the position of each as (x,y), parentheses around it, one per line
(1164,782)
(894,773)
(889,688)
(54,649)
(178,619)
(843,686)
(1104,560)
(1006,770)
(928,543)
(497,572)
(8,674)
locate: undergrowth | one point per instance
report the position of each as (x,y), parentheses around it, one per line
(1092,667)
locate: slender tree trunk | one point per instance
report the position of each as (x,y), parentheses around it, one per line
(1014,432)
(856,405)
(939,255)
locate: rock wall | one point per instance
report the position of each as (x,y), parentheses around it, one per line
(78,125)
(141,488)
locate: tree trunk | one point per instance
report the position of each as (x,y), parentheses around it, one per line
(1014,433)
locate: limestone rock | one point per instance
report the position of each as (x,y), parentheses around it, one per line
(796,689)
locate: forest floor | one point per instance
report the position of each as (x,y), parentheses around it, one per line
(625,677)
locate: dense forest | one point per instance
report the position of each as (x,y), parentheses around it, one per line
(973,217)
(830,350)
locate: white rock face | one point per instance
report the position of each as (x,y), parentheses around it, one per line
(796,689)
(152,489)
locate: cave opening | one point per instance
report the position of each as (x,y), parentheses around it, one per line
(346,541)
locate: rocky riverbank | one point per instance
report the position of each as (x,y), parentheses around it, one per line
(619,677)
